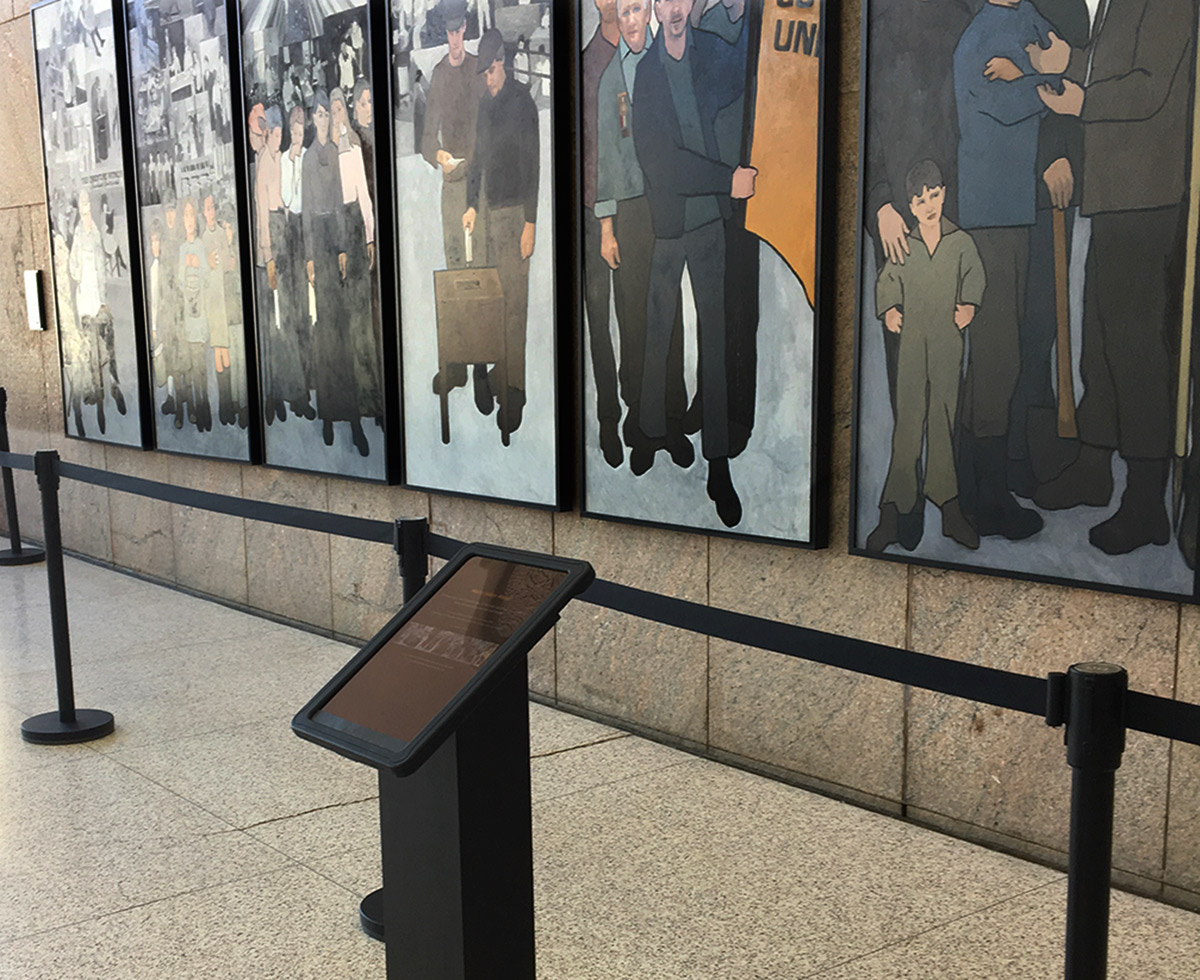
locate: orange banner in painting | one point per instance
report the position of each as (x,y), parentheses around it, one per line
(783,210)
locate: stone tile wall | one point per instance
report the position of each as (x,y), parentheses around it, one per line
(979,772)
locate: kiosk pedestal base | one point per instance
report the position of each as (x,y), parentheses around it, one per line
(370,914)
(458,849)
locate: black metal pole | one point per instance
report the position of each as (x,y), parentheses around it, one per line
(412,550)
(67,724)
(16,555)
(411,545)
(1095,737)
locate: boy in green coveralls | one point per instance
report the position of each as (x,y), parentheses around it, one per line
(928,301)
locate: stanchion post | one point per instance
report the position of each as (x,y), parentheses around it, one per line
(67,724)
(17,554)
(1091,701)
(412,547)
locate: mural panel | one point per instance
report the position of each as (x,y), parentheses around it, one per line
(89,236)
(1026,309)
(190,229)
(474,146)
(701,132)
(309,89)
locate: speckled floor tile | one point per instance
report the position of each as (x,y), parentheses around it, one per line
(319,833)
(614,761)
(205,840)
(703,871)
(251,774)
(90,837)
(552,731)
(290,925)
(1022,939)
(17,754)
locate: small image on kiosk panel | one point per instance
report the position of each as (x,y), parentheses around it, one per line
(433,656)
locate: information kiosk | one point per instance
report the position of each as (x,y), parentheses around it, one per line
(438,703)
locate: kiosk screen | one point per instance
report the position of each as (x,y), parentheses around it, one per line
(441,647)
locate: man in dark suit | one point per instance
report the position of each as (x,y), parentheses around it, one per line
(502,186)
(597,278)
(682,84)
(1131,86)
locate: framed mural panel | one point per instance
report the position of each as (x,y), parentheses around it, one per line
(80,92)
(702,155)
(475,163)
(322,234)
(191,226)
(1026,305)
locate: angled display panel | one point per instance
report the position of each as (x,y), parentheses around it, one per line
(405,692)
(1026,292)
(475,147)
(702,148)
(320,230)
(192,274)
(86,190)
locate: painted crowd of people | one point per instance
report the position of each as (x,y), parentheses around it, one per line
(997,133)
(664,189)
(314,216)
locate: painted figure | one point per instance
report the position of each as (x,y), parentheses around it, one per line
(1131,86)
(360,262)
(927,302)
(682,83)
(448,143)
(88,269)
(502,193)
(194,273)
(998,124)
(598,55)
(626,244)
(325,245)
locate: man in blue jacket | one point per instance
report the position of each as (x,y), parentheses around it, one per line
(998,122)
(682,84)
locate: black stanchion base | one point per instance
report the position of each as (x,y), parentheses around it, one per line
(26,556)
(49,729)
(370,914)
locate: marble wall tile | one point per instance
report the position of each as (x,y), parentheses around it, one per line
(83,507)
(621,666)
(22,371)
(210,548)
(1183,818)
(1003,770)
(142,527)
(288,568)
(21,368)
(834,725)
(367,589)
(513,527)
(24,177)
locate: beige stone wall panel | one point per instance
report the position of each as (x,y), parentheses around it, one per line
(1003,770)
(288,569)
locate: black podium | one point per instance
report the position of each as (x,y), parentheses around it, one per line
(438,703)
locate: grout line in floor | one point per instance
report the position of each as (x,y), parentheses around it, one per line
(936,927)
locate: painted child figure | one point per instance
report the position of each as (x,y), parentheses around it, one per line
(928,301)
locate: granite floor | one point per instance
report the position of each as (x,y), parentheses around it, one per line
(202,839)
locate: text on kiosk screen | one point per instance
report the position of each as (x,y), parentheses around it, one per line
(431,658)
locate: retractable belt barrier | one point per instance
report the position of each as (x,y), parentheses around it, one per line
(1091,700)
(1149,713)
